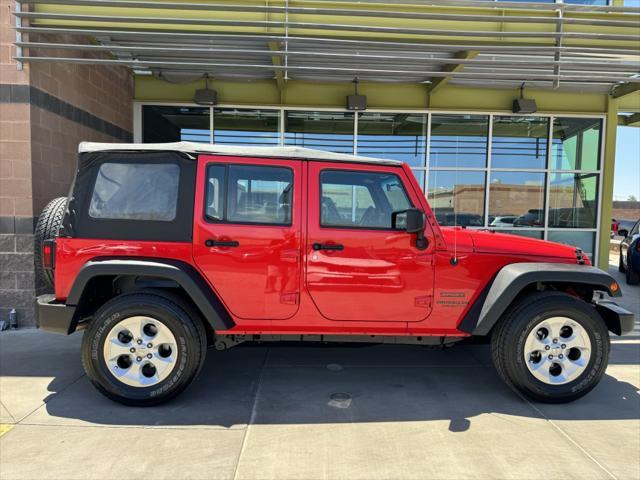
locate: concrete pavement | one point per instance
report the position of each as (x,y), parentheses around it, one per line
(312,412)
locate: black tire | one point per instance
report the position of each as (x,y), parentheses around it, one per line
(509,337)
(47,227)
(633,277)
(190,338)
(621,268)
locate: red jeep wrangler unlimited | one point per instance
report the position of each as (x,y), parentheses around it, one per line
(163,250)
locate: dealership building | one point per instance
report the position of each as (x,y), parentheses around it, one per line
(506,111)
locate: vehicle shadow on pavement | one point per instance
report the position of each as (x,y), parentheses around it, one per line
(312,385)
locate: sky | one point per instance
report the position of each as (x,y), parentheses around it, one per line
(627,174)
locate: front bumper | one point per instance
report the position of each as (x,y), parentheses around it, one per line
(54,316)
(619,320)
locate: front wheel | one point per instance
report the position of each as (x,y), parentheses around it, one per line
(143,349)
(551,347)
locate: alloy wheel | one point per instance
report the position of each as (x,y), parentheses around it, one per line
(557,350)
(140,351)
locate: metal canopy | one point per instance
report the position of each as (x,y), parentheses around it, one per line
(459,42)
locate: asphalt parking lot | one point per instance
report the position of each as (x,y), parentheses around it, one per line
(311,412)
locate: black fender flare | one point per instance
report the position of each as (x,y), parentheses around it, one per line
(513,278)
(183,274)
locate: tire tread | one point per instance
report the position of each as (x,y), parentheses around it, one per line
(184,316)
(47,227)
(500,351)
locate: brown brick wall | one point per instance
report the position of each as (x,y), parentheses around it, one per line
(103,91)
(8,71)
(54,147)
(15,164)
(625,213)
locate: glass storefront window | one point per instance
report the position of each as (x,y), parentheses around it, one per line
(573,200)
(174,124)
(458,141)
(398,136)
(583,240)
(420,177)
(329,131)
(457,198)
(519,194)
(587,2)
(519,142)
(576,144)
(234,126)
(455,172)
(537,234)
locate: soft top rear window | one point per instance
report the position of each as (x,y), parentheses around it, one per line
(135,191)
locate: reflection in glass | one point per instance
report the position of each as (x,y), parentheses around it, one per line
(573,200)
(329,131)
(459,141)
(576,144)
(259,194)
(234,126)
(457,198)
(589,2)
(537,234)
(584,240)
(136,191)
(174,124)
(360,199)
(399,136)
(519,194)
(519,142)
(420,176)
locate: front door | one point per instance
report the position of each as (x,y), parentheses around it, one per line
(358,267)
(247,233)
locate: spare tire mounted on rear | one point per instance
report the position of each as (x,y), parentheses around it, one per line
(48,225)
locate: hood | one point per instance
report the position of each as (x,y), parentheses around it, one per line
(460,237)
(490,242)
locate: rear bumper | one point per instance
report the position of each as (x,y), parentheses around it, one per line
(54,316)
(618,320)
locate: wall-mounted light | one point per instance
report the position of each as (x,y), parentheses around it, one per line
(356,102)
(206,96)
(524,105)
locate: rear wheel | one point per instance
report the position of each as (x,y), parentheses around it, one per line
(47,227)
(551,347)
(143,349)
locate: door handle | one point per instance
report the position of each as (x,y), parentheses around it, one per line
(327,246)
(221,243)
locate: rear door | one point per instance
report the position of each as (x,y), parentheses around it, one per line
(358,267)
(247,233)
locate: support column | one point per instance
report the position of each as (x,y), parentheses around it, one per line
(608,169)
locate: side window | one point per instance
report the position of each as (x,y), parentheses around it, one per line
(214,208)
(249,194)
(636,228)
(135,191)
(360,199)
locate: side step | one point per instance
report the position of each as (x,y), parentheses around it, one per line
(223,342)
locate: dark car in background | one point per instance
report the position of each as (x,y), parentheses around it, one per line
(533,218)
(451,219)
(630,253)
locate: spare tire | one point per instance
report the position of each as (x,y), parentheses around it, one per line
(47,227)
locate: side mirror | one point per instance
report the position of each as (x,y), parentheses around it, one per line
(623,233)
(411,221)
